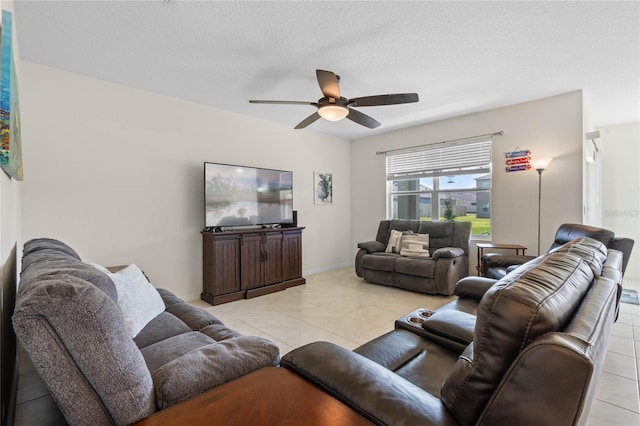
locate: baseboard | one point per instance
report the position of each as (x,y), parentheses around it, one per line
(321,269)
(191,297)
(196,296)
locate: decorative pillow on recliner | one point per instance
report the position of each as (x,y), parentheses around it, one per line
(415,245)
(395,237)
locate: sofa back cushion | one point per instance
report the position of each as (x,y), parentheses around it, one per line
(441,233)
(45,256)
(570,231)
(447,234)
(593,252)
(540,298)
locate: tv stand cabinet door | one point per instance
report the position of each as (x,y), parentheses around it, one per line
(261,260)
(272,261)
(252,254)
(221,269)
(292,249)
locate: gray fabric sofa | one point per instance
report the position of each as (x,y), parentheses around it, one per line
(68,321)
(529,352)
(437,274)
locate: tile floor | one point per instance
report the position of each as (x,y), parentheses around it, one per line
(338,307)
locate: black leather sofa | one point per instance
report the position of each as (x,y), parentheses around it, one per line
(527,350)
(497,265)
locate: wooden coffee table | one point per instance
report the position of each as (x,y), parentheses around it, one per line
(269,396)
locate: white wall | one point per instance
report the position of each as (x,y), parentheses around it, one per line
(117,173)
(9,188)
(621,183)
(550,127)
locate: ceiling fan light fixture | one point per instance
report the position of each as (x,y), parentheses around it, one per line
(333,112)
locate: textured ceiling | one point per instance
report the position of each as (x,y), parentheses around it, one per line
(460,57)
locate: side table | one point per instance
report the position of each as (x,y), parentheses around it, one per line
(483,246)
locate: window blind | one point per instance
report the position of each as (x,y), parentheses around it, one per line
(440,160)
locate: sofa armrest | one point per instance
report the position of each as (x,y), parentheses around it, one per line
(369,388)
(473,287)
(208,366)
(447,252)
(372,246)
(499,259)
(452,325)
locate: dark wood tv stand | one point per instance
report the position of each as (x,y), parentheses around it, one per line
(242,264)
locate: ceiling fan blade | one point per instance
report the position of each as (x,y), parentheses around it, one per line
(328,82)
(283,102)
(398,98)
(310,119)
(363,119)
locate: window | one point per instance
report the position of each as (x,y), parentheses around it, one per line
(442,182)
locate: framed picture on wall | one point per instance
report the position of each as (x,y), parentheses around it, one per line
(322,188)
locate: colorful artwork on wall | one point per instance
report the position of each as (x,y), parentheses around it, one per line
(10,140)
(518,160)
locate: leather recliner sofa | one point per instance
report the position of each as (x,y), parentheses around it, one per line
(497,265)
(436,274)
(538,343)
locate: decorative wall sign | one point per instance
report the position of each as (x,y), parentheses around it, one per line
(10,143)
(322,188)
(518,160)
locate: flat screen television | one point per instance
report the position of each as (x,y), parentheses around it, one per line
(240,196)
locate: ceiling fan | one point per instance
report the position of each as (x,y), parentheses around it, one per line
(334,107)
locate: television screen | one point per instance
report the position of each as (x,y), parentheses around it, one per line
(239,195)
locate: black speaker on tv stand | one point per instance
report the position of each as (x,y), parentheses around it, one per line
(294,223)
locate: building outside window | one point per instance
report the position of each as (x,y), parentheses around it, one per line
(442,182)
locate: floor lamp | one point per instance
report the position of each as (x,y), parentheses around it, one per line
(540,164)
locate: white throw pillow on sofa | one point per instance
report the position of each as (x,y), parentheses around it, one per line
(395,238)
(138,299)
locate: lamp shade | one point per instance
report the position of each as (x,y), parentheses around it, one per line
(540,163)
(333,112)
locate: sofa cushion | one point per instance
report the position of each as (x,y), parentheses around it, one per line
(420,361)
(380,261)
(535,299)
(194,317)
(219,332)
(440,233)
(211,365)
(404,225)
(38,244)
(419,267)
(162,327)
(167,350)
(571,231)
(46,259)
(591,251)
